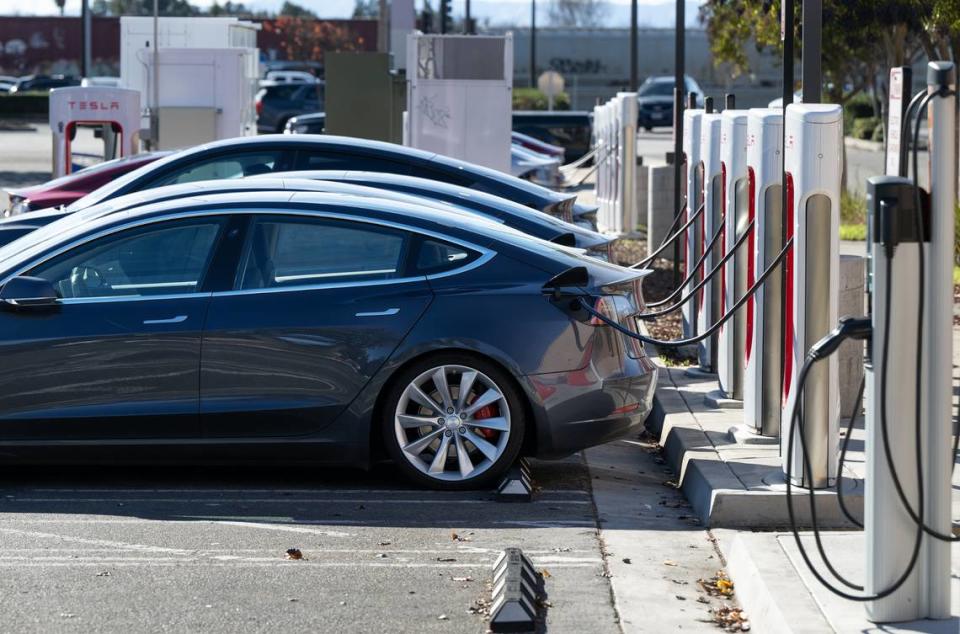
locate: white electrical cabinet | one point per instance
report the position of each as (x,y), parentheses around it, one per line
(207,77)
(459,96)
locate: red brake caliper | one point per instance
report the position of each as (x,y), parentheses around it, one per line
(487,411)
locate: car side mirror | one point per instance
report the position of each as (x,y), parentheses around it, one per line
(28,292)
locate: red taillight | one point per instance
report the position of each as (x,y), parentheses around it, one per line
(788,295)
(751,217)
(259,107)
(606,307)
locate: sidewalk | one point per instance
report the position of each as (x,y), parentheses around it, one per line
(735,486)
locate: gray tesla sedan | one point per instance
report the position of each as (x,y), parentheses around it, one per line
(315,328)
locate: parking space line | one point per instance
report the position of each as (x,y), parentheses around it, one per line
(579,492)
(284,527)
(278,564)
(95,542)
(283,500)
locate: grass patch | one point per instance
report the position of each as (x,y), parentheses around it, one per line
(853,209)
(956,274)
(853,232)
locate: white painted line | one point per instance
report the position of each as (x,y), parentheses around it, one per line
(288,528)
(95,542)
(245,564)
(283,500)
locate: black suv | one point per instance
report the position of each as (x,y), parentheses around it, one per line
(276,103)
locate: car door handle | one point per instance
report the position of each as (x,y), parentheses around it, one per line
(380,313)
(179,319)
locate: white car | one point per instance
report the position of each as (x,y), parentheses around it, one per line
(291,77)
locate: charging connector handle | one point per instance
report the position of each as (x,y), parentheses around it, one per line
(848,328)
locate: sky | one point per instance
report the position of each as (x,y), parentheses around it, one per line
(652,13)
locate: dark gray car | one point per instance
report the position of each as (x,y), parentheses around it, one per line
(278,103)
(311,328)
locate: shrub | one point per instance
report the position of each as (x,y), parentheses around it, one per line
(858,107)
(27,104)
(863,127)
(853,209)
(533,99)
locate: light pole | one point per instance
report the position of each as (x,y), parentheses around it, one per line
(679,63)
(634,80)
(533,43)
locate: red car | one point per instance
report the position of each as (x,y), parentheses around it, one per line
(66,189)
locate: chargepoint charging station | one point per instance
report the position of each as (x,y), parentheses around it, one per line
(711,185)
(813,147)
(691,150)
(763,356)
(731,339)
(911,268)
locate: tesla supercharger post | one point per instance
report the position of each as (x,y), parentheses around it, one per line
(763,356)
(731,338)
(116,110)
(709,298)
(894,257)
(813,146)
(691,150)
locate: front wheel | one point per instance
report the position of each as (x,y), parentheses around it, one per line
(453,422)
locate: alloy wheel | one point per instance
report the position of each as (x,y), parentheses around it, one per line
(452,423)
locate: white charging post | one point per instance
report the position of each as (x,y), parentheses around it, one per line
(711,185)
(937,331)
(813,147)
(731,338)
(691,150)
(116,111)
(763,356)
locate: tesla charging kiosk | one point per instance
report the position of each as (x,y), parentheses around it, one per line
(813,146)
(711,186)
(115,110)
(763,357)
(732,335)
(694,194)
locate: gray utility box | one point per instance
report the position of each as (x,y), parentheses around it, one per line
(363,98)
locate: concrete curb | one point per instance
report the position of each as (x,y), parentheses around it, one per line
(730,484)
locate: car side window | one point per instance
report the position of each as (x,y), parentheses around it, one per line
(436,256)
(284,252)
(161,259)
(234,165)
(322,160)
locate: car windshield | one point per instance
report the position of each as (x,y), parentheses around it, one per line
(656,89)
(99,168)
(494,182)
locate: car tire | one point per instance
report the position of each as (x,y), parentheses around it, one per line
(479,443)
(648,128)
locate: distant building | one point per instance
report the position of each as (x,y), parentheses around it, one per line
(51,45)
(596,63)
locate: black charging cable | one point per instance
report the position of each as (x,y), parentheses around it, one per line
(692,272)
(675,343)
(650,258)
(676,222)
(706,278)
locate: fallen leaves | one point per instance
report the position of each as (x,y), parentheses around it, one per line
(731,619)
(718,586)
(461,538)
(293,554)
(669,562)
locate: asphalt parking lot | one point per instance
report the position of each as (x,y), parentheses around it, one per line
(183,549)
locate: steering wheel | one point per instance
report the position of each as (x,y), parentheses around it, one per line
(86,281)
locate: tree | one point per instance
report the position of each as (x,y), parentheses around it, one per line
(307,39)
(577,13)
(366,9)
(885,34)
(296,11)
(60,4)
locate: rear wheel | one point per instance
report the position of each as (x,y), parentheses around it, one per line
(453,422)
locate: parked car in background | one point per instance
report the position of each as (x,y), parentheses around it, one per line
(69,188)
(251,156)
(655,100)
(311,123)
(538,146)
(291,77)
(327,329)
(7,82)
(535,167)
(515,215)
(276,103)
(571,130)
(43,82)
(110,82)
